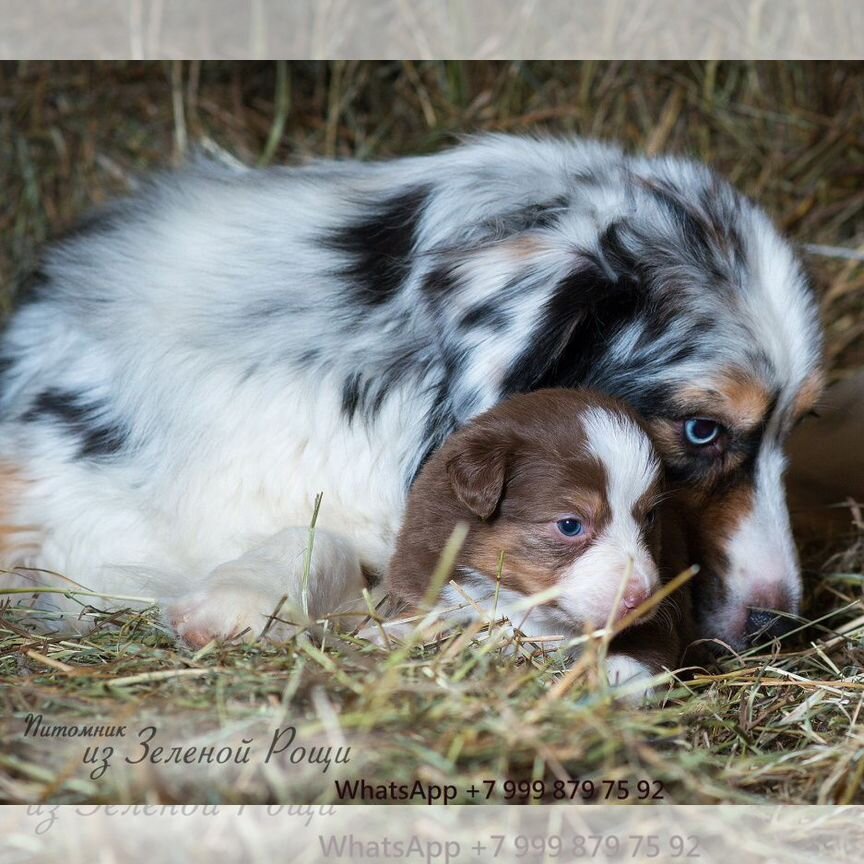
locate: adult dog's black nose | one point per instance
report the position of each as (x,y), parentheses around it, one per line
(763,626)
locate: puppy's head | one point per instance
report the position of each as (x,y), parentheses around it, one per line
(564,484)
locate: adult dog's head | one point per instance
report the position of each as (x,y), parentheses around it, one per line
(723,360)
(681,298)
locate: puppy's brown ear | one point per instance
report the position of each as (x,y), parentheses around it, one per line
(477,472)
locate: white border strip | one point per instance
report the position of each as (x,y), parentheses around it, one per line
(429,29)
(431,834)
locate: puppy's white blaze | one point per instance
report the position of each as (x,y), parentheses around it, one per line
(627,456)
(631,467)
(763,565)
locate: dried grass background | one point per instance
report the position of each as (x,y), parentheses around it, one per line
(785,726)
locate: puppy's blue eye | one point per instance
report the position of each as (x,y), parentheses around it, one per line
(570,527)
(700,432)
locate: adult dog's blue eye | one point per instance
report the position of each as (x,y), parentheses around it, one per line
(700,432)
(570,527)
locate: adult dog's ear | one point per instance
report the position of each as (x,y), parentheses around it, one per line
(477,472)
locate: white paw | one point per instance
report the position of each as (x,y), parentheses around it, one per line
(629,678)
(225,612)
(386,634)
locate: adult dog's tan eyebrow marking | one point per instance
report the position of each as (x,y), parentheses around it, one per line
(737,397)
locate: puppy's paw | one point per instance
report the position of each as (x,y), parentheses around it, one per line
(629,679)
(387,634)
(224,612)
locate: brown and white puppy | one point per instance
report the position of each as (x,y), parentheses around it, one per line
(565,484)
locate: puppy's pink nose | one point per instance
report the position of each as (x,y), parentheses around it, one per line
(635,596)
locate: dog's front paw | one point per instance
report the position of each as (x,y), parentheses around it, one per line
(224,612)
(629,679)
(386,634)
